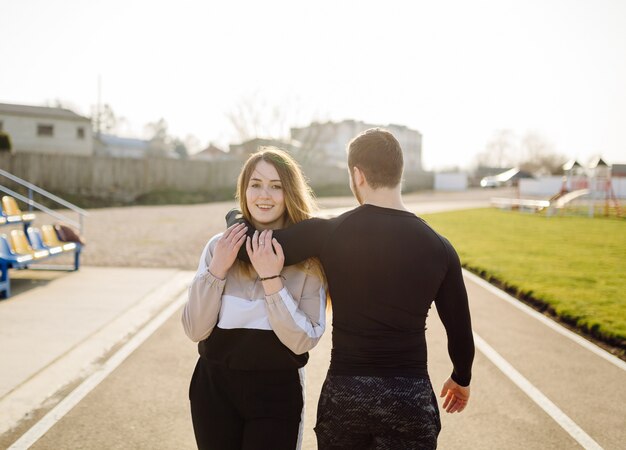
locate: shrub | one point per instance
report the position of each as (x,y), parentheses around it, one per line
(5,142)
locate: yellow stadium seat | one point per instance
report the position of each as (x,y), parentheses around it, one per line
(22,247)
(51,239)
(13,212)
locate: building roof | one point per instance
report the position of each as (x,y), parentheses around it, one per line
(40,111)
(598,161)
(123,142)
(252,145)
(354,123)
(211,150)
(571,164)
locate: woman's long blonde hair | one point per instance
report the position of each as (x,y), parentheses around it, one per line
(300,201)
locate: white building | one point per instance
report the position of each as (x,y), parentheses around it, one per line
(40,129)
(328,140)
(451,181)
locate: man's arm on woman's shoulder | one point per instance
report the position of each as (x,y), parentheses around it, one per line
(300,241)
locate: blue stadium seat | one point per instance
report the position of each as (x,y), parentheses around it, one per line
(36,241)
(13,213)
(9,260)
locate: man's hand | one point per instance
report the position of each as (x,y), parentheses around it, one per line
(226,250)
(456,396)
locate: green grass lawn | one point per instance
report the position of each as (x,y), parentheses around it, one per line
(576,266)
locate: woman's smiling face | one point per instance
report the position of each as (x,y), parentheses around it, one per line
(265,198)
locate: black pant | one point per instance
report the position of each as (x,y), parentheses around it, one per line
(239,409)
(382,413)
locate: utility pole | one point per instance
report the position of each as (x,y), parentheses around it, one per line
(99,106)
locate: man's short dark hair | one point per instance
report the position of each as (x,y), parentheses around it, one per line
(377,153)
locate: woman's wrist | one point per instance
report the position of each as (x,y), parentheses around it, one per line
(217,272)
(270,277)
(272,285)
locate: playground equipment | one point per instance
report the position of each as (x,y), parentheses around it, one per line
(582,192)
(601,188)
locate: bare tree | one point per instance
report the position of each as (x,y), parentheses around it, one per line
(500,151)
(180,148)
(533,153)
(105,120)
(310,144)
(254,116)
(108,119)
(160,141)
(192,143)
(538,155)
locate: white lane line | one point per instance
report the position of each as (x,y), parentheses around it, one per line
(60,410)
(536,396)
(546,321)
(78,362)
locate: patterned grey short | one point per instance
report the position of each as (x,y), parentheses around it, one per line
(394,413)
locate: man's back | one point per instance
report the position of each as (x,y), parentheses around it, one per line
(384,269)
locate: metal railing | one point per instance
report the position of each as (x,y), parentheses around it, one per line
(32,203)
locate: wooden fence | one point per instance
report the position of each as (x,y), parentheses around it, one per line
(122,179)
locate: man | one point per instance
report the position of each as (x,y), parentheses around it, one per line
(385,267)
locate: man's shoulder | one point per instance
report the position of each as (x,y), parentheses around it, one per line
(429,229)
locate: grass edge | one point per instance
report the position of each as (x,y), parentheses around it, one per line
(614,345)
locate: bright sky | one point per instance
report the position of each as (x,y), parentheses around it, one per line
(454,70)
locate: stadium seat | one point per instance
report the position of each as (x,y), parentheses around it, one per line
(8,260)
(13,213)
(21,246)
(19,249)
(3,215)
(8,255)
(50,239)
(34,236)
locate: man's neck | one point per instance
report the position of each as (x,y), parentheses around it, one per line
(384,198)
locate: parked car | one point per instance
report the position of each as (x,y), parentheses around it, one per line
(489,182)
(510,177)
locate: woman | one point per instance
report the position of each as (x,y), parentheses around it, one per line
(255,324)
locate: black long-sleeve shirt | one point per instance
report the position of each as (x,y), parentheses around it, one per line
(384,268)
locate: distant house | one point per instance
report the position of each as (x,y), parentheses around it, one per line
(211,153)
(328,141)
(134,148)
(245,149)
(41,129)
(120,147)
(618,170)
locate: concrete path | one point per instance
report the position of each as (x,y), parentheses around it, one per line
(98,359)
(142,402)
(57,334)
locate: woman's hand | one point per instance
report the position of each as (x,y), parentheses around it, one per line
(226,250)
(456,396)
(267,258)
